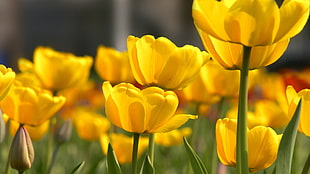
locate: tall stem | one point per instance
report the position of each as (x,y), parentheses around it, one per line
(242,137)
(49,144)
(195,126)
(7,166)
(151,147)
(135,153)
(53,159)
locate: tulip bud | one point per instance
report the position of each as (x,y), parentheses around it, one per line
(63,134)
(21,152)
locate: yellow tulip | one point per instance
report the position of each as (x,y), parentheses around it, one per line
(35,132)
(272,87)
(29,79)
(122,146)
(172,138)
(261,141)
(161,63)
(58,70)
(253,119)
(25,65)
(272,112)
(226,141)
(293,98)
(112,65)
(30,106)
(89,125)
(222,82)
(251,22)
(264,112)
(88,93)
(230,55)
(7,77)
(149,110)
(198,92)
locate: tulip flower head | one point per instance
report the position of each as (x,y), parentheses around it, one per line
(149,110)
(230,55)
(7,77)
(89,124)
(293,98)
(220,81)
(225,27)
(263,143)
(251,22)
(159,62)
(112,65)
(30,106)
(58,70)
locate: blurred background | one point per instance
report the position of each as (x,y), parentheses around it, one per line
(80,26)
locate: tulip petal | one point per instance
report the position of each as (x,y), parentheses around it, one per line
(262,140)
(266,55)
(161,106)
(226,140)
(294,15)
(133,59)
(245,19)
(106,89)
(182,67)
(211,22)
(305,112)
(175,122)
(149,56)
(125,108)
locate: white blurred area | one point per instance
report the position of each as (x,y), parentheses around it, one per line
(80,26)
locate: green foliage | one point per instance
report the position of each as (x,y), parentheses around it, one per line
(197,165)
(286,148)
(147,167)
(113,166)
(78,168)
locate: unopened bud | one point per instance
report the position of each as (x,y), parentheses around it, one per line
(21,152)
(63,134)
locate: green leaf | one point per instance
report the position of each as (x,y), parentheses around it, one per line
(197,165)
(78,168)
(113,166)
(147,167)
(286,147)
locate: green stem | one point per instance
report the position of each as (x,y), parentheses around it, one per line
(7,166)
(135,153)
(214,159)
(221,108)
(195,127)
(242,137)
(49,143)
(53,159)
(151,147)
(307,166)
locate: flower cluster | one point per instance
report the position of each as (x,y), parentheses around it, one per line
(145,101)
